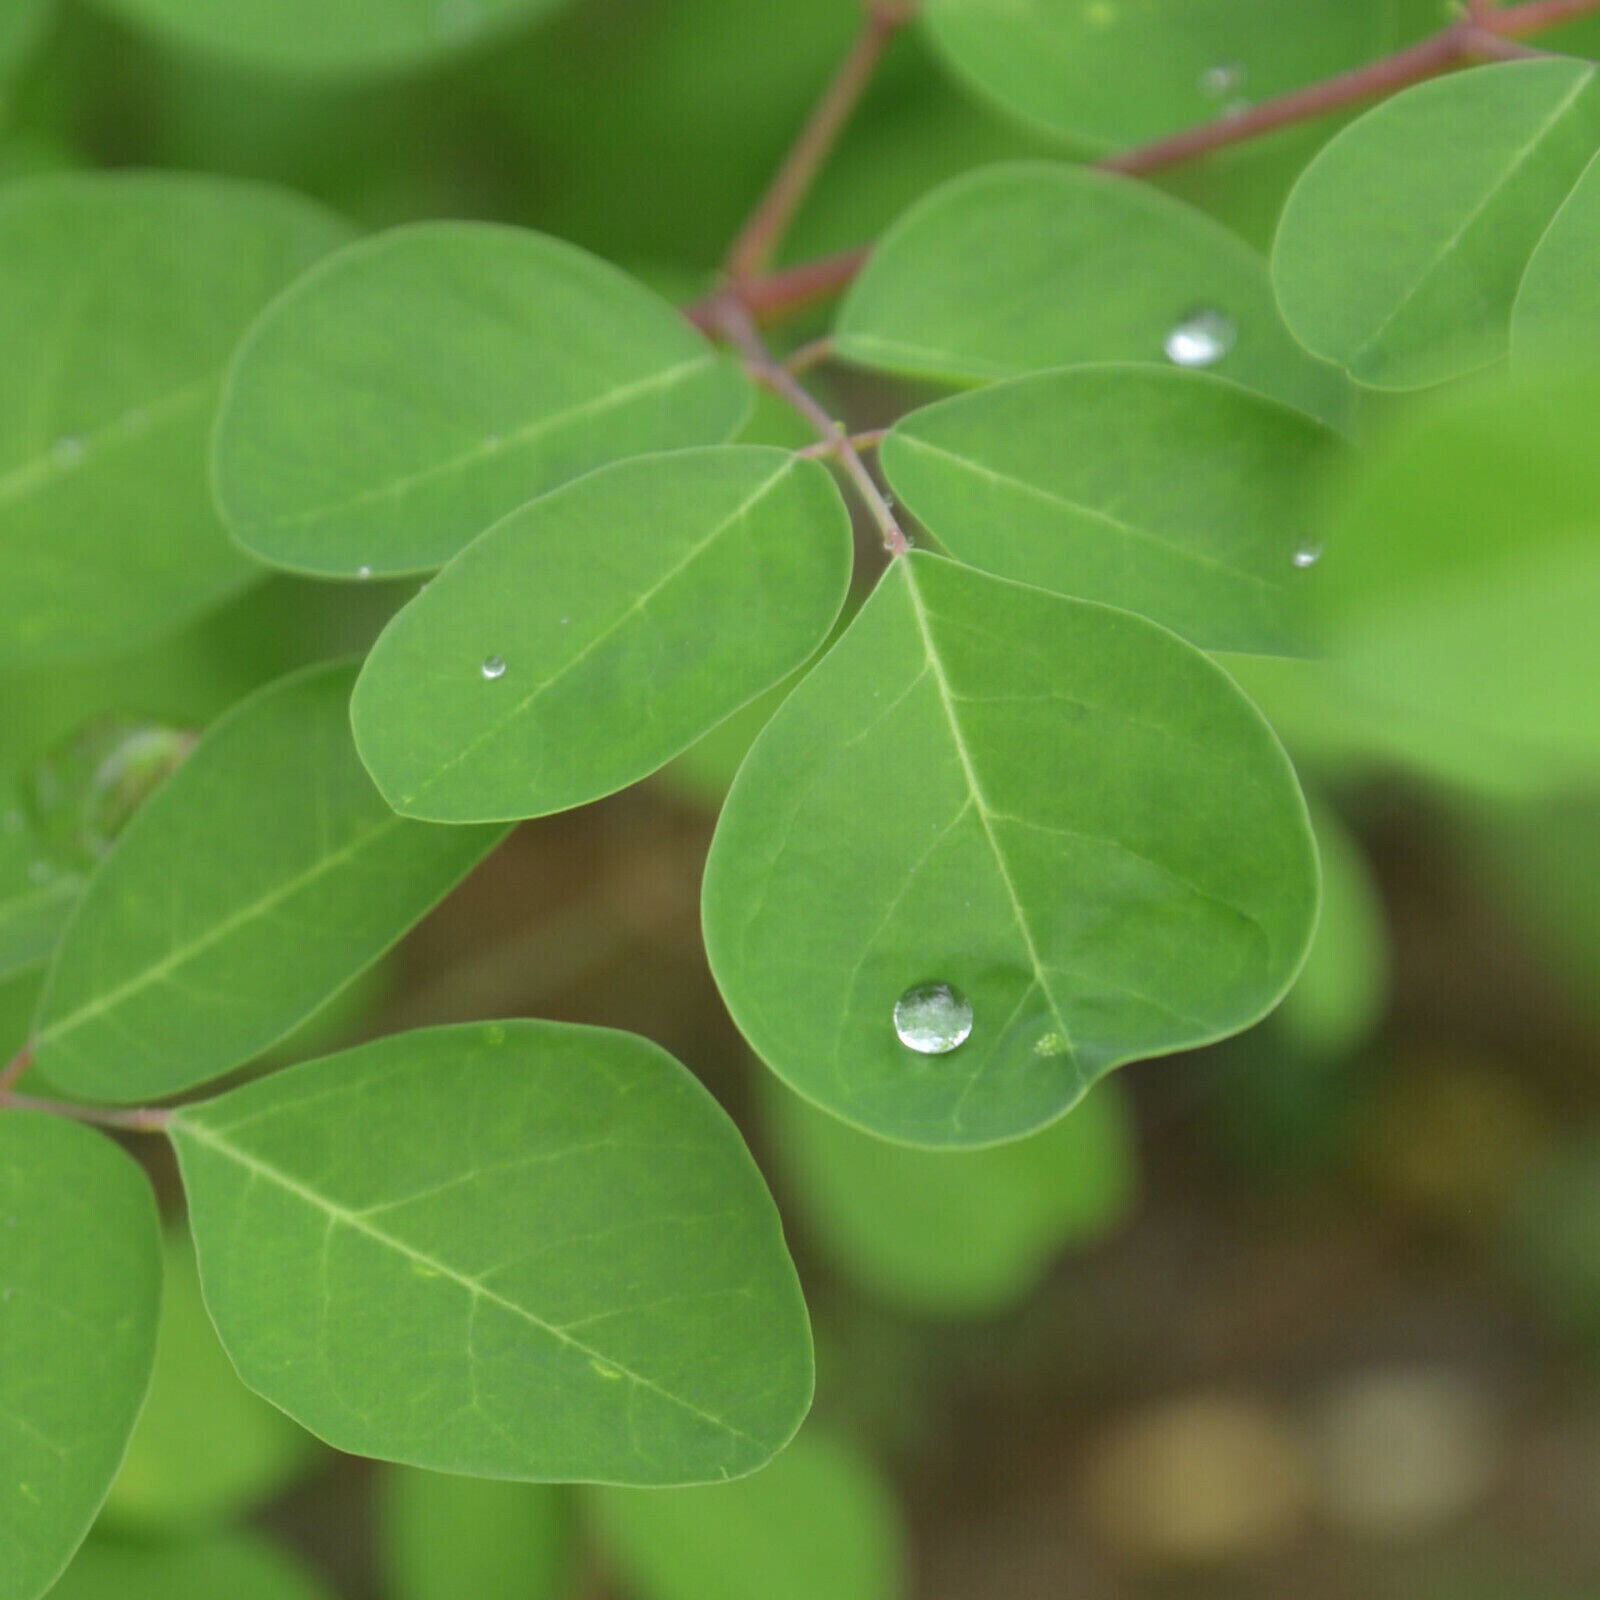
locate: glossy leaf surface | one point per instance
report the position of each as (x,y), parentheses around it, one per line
(1463,570)
(520,1250)
(1029,265)
(522,362)
(627,613)
(326,37)
(80,1282)
(957,1233)
(442,1537)
(229,1566)
(1402,245)
(1115,72)
(262,877)
(1171,494)
(1065,812)
(121,297)
(819,1521)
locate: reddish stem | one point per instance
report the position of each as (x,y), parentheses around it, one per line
(15,1069)
(142,1119)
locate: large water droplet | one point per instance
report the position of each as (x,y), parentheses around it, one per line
(1308,555)
(82,792)
(1222,79)
(363,573)
(932,1018)
(494,666)
(1201,339)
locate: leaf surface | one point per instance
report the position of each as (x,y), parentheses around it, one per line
(1402,245)
(1172,494)
(121,297)
(80,1283)
(627,613)
(37,893)
(521,1250)
(388,408)
(1062,810)
(235,1565)
(261,878)
(1556,317)
(819,1521)
(1028,265)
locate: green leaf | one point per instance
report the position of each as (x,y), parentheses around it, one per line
(1118,72)
(37,893)
(21,24)
(521,1250)
(1556,316)
(1028,265)
(447,1538)
(1401,247)
(239,1566)
(1462,579)
(521,362)
(1172,494)
(622,616)
(206,1449)
(1058,808)
(80,1282)
(259,880)
(958,1233)
(819,1521)
(121,297)
(328,37)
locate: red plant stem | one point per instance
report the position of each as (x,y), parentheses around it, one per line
(777,294)
(142,1119)
(739,328)
(15,1069)
(758,240)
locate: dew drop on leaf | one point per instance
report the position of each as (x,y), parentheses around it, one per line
(363,572)
(932,1018)
(1201,339)
(1308,555)
(494,666)
(1222,79)
(83,790)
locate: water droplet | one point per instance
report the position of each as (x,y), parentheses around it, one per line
(363,573)
(83,790)
(1201,339)
(494,666)
(1308,555)
(1222,79)
(1053,1043)
(67,451)
(933,1018)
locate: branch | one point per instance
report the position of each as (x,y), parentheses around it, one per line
(739,328)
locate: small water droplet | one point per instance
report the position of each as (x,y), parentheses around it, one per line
(565,621)
(67,451)
(933,1018)
(1222,79)
(363,572)
(1201,339)
(1053,1043)
(494,666)
(1308,555)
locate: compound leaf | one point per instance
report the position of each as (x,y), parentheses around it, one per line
(389,407)
(522,1250)
(253,885)
(1172,494)
(80,1283)
(121,297)
(1059,809)
(1402,245)
(1028,265)
(595,633)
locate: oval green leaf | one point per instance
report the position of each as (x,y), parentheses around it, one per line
(442,1537)
(324,38)
(37,893)
(957,1232)
(1172,494)
(819,1521)
(1029,265)
(206,1449)
(121,298)
(80,1283)
(21,24)
(1556,316)
(258,881)
(390,406)
(240,1566)
(1060,809)
(1462,579)
(1401,247)
(598,631)
(519,1250)
(1118,72)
